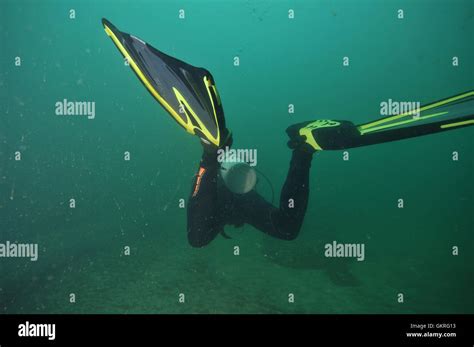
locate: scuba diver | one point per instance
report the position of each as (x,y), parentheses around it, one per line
(229,198)
(223,191)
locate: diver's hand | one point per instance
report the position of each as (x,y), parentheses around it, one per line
(212,148)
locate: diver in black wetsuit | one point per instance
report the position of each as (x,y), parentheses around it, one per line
(212,205)
(189,95)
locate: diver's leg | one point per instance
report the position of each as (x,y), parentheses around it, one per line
(284,222)
(295,192)
(203,224)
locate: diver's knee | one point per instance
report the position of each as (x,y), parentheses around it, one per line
(290,236)
(290,232)
(196,241)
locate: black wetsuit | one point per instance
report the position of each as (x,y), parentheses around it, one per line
(212,205)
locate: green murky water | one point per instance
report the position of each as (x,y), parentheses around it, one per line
(135,203)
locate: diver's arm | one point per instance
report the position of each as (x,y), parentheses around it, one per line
(283,222)
(202,205)
(204,218)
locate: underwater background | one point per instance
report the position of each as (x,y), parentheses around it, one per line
(136,203)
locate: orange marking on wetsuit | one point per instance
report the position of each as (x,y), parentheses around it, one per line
(198,180)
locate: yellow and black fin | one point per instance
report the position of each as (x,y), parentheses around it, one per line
(186,92)
(454,112)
